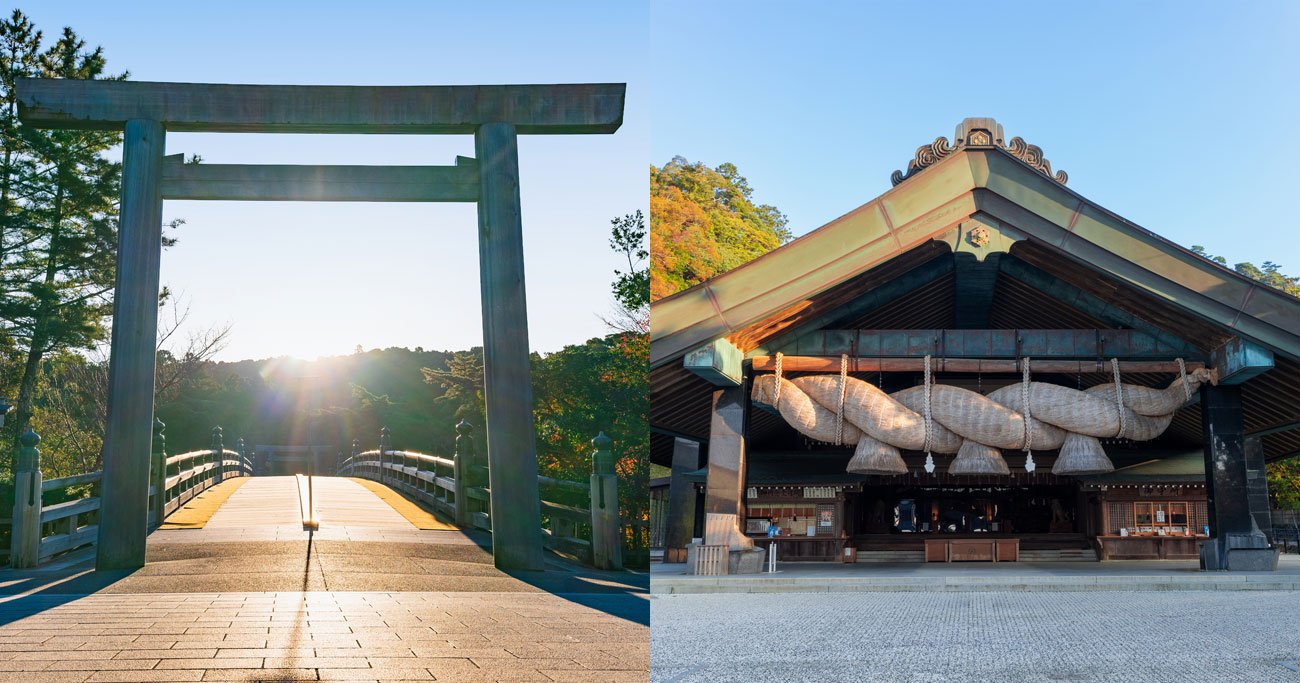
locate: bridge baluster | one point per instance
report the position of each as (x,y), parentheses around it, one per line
(606,529)
(158,472)
(462,464)
(385,445)
(244,467)
(218,456)
(356,453)
(25,539)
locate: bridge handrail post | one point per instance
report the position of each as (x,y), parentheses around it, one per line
(606,530)
(245,467)
(158,472)
(218,455)
(385,445)
(356,453)
(461,459)
(25,538)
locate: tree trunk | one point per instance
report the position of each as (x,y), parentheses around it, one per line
(40,326)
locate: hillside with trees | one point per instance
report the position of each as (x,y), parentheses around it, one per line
(703,222)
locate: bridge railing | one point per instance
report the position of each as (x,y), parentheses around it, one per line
(39,531)
(580,519)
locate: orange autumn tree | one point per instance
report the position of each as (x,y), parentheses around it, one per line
(703,221)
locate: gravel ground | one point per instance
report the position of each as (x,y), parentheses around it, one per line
(957,637)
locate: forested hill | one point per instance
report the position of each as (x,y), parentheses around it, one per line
(704,222)
(419,395)
(344,397)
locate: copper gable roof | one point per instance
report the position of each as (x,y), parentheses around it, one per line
(1009,186)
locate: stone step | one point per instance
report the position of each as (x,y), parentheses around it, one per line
(892,556)
(1063,555)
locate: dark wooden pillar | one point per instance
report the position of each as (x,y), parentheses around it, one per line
(507,386)
(681,500)
(124,506)
(724,505)
(1237,542)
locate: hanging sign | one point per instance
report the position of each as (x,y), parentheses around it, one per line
(751,492)
(820,491)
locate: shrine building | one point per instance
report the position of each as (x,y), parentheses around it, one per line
(979,364)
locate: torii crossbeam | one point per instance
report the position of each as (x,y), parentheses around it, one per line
(495,114)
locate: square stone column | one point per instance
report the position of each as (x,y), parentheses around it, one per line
(1237,542)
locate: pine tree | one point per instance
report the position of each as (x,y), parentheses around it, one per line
(58,214)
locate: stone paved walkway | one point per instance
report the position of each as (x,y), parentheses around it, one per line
(324,636)
(367,598)
(1006,637)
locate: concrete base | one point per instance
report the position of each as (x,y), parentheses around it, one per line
(1250,552)
(1253,559)
(746,561)
(738,561)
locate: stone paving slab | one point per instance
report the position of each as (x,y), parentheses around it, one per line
(1007,637)
(464,636)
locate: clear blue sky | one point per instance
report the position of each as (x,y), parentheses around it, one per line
(1183,117)
(308,279)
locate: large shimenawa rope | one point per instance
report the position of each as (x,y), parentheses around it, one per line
(938,417)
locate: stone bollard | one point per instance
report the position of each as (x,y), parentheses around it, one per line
(158,472)
(25,542)
(385,445)
(218,454)
(461,459)
(606,528)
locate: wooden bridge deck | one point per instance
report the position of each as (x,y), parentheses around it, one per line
(267,509)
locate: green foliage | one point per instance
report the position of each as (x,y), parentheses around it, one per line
(631,287)
(58,220)
(704,222)
(462,384)
(1269,273)
(1284,484)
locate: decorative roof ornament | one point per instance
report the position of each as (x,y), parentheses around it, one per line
(978,133)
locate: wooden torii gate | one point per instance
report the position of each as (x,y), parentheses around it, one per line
(495,114)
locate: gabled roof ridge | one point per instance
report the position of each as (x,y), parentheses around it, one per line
(961,182)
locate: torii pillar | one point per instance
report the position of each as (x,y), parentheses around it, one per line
(495,114)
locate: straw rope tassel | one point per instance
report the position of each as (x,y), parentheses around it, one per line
(1029,423)
(839,411)
(928,414)
(1119,396)
(1182,377)
(776,402)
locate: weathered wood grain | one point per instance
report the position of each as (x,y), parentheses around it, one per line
(288,183)
(424,109)
(507,387)
(129,434)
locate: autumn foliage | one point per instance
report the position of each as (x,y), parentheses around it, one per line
(703,222)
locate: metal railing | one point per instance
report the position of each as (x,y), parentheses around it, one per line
(38,531)
(580,519)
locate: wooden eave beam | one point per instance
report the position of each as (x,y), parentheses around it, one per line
(224,108)
(457,183)
(973,365)
(1033,343)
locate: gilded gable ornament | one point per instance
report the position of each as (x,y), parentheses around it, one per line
(978,133)
(978,237)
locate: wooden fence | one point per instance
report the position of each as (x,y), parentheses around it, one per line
(39,531)
(580,519)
